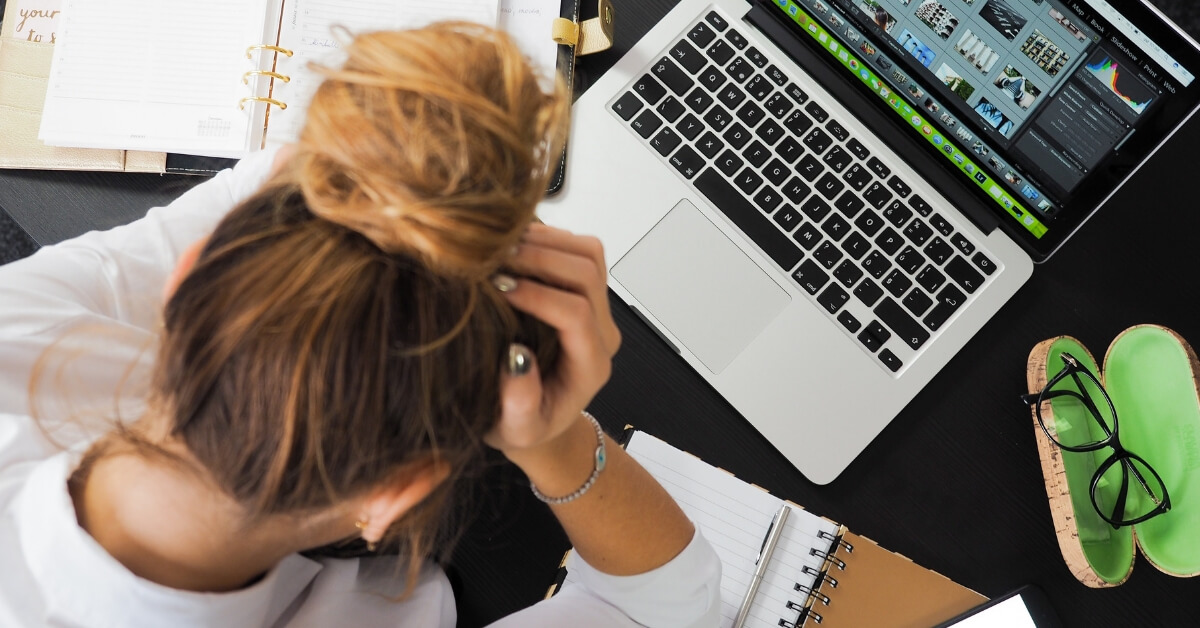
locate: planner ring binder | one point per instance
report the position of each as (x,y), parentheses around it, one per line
(275,75)
(281,50)
(269,101)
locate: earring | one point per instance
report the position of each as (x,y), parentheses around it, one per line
(361,524)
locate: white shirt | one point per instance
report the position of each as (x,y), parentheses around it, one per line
(97,300)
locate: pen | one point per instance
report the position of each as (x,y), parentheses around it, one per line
(764,557)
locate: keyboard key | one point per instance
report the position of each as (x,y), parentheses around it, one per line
(757,58)
(836,227)
(856,246)
(810,167)
(736,135)
(746,217)
(879,168)
(897,283)
(712,78)
(817,141)
(910,260)
(917,232)
(736,39)
(666,141)
(758,88)
(857,176)
(829,185)
(796,189)
(961,243)
(796,93)
(649,89)
(701,34)
(938,251)
(836,129)
(776,172)
(983,263)
(920,205)
(889,241)
(816,112)
(828,254)
(897,214)
(687,162)
(721,52)
(673,77)
(815,208)
(810,277)
(646,124)
(787,218)
(948,300)
(847,273)
(917,302)
(907,329)
(686,55)
(833,298)
(900,187)
(690,126)
(751,114)
(789,150)
(709,145)
(941,224)
(858,149)
(729,163)
(838,159)
(731,96)
(807,236)
(870,223)
(930,278)
(747,181)
(718,118)
(797,122)
(777,76)
(767,199)
(890,360)
(849,204)
(770,132)
(961,271)
(874,336)
(868,292)
(876,264)
(671,109)
(877,195)
(739,70)
(778,105)
(716,21)
(756,154)
(627,105)
(698,100)
(849,322)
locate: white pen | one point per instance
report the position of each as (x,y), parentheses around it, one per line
(764,557)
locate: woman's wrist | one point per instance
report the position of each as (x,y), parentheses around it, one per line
(562,465)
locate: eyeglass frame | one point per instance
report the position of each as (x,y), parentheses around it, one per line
(1120,454)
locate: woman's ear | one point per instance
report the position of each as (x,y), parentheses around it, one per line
(409,487)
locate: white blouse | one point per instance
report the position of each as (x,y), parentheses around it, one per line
(97,299)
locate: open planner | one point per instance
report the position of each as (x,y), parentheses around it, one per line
(818,571)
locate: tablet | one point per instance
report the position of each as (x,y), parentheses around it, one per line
(1027,607)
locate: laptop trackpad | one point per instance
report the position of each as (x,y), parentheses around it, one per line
(699,284)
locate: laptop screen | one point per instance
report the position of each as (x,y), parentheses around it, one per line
(1043,107)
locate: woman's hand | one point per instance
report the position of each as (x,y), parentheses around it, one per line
(565,286)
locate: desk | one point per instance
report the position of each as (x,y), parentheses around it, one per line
(953,483)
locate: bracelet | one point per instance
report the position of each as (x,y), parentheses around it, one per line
(601,458)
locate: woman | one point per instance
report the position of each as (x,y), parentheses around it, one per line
(357,318)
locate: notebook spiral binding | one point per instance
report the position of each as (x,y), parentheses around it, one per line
(256,74)
(823,580)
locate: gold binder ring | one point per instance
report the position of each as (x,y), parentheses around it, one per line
(283,77)
(270,101)
(250,51)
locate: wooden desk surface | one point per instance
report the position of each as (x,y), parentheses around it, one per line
(953,483)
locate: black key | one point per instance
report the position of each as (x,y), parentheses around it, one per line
(870,223)
(930,279)
(910,260)
(948,301)
(827,254)
(686,55)
(961,243)
(816,112)
(698,100)
(709,145)
(836,227)
(907,329)
(729,163)
(858,149)
(646,124)
(897,283)
(731,96)
(756,57)
(849,322)
(889,241)
(807,235)
(671,109)
(666,141)
(829,185)
(849,204)
(701,34)
(756,154)
(856,246)
(672,76)
(938,251)
(815,208)
(712,78)
(836,129)
(876,264)
(796,93)
(810,276)
(810,167)
(918,232)
(687,162)
(941,224)
(736,135)
(721,52)
(778,105)
(751,114)
(789,150)
(897,214)
(770,132)
(899,186)
(868,292)
(833,298)
(796,189)
(690,126)
(920,205)
(747,181)
(627,105)
(984,264)
(787,217)
(874,336)
(739,70)
(798,123)
(961,271)
(917,302)
(890,360)
(718,118)
(878,168)
(877,195)
(776,171)
(870,342)
(857,176)
(838,159)
(736,39)
(767,199)
(847,273)
(777,76)
(717,21)
(817,141)
(649,89)
(757,227)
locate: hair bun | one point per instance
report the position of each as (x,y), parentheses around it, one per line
(432,142)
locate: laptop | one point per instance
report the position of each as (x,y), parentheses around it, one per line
(817,203)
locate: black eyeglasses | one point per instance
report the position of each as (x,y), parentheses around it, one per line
(1125,510)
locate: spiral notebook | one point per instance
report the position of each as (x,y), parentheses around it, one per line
(818,573)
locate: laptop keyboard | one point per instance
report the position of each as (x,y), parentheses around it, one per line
(850,233)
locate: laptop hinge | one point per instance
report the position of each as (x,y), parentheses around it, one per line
(884,125)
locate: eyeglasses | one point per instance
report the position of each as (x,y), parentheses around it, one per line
(1076,384)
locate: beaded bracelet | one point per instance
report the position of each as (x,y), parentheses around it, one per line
(601,458)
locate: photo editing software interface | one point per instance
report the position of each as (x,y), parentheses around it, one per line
(1026,98)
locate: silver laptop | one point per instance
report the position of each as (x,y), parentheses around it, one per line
(818,202)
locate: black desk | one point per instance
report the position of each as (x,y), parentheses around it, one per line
(954,482)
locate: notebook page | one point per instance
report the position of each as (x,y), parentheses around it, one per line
(159,75)
(307,32)
(530,23)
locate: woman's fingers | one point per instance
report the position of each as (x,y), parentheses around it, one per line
(522,423)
